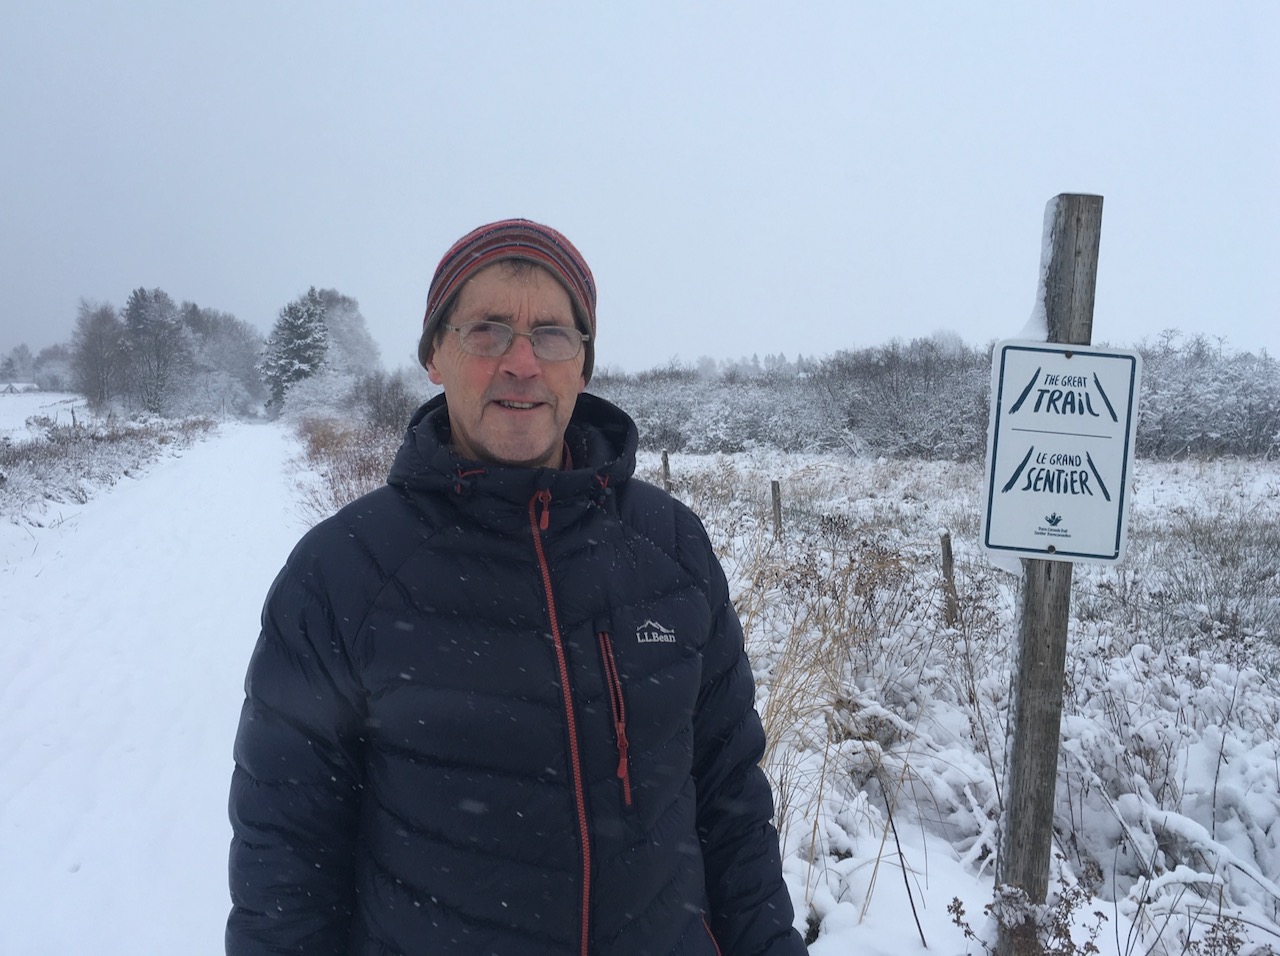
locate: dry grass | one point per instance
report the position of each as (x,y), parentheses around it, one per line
(66,463)
(350,460)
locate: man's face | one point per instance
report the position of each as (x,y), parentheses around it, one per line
(513,409)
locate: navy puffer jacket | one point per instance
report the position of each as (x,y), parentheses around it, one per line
(504,711)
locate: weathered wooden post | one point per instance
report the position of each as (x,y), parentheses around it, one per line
(775,490)
(666,471)
(951,613)
(1027,836)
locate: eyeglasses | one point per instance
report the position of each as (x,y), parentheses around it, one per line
(551,343)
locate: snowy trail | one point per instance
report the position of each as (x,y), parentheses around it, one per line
(126,633)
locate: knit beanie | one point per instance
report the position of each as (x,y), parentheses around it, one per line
(512,239)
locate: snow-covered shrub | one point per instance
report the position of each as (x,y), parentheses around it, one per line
(389,401)
(928,398)
(323,394)
(680,409)
(1167,778)
(1200,399)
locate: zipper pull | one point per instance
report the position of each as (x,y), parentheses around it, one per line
(624,771)
(544,499)
(621,730)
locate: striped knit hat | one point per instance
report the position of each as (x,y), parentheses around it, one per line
(512,239)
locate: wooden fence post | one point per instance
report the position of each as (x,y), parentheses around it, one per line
(666,471)
(951,614)
(1026,843)
(776,491)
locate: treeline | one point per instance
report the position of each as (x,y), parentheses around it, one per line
(927,398)
(162,358)
(930,398)
(49,369)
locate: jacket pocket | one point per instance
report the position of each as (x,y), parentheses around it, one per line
(618,713)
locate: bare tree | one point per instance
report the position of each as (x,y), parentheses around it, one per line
(98,353)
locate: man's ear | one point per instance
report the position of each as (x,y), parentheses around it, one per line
(433,373)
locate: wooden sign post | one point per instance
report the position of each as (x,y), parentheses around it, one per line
(1075,224)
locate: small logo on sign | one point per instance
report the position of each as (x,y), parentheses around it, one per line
(1054,519)
(651,632)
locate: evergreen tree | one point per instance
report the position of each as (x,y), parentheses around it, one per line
(296,347)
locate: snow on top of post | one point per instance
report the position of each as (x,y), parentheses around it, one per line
(1037,327)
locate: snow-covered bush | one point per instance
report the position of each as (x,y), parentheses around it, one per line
(1200,398)
(678,409)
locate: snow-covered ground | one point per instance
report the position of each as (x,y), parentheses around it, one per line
(125,630)
(60,408)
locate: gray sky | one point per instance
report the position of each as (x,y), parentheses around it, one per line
(742,177)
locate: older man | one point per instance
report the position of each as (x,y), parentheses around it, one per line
(501,705)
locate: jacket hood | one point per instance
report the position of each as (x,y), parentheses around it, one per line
(602,442)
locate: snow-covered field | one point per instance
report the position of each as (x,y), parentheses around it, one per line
(126,627)
(58,407)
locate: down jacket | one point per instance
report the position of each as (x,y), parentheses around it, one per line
(504,711)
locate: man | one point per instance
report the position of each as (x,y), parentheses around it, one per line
(501,705)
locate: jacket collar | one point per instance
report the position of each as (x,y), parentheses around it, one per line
(602,446)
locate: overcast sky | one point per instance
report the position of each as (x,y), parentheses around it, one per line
(742,177)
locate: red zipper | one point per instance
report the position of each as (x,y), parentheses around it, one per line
(618,710)
(711,934)
(539,523)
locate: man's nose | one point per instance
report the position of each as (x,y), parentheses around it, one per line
(519,359)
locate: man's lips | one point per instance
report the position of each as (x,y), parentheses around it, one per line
(517,404)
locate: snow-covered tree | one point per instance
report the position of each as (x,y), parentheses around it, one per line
(159,348)
(99,353)
(352,350)
(53,368)
(18,365)
(225,375)
(352,357)
(297,346)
